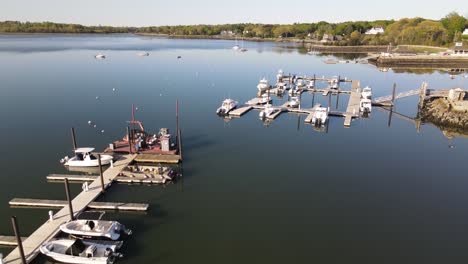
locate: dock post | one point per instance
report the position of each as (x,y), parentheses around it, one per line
(179,143)
(101,174)
(73,138)
(14,222)
(70,206)
(129,141)
(393,93)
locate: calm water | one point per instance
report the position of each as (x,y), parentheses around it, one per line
(251,193)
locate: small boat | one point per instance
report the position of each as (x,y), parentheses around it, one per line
(311,84)
(265,99)
(365,106)
(112,230)
(78,251)
(330,61)
(366,93)
(226,107)
(236,48)
(268,111)
(334,82)
(300,83)
(143,54)
(320,116)
(280,75)
(263,85)
(85,158)
(294,102)
(100,56)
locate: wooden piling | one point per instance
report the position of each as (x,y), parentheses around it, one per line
(101,175)
(179,143)
(393,93)
(14,222)
(73,138)
(70,206)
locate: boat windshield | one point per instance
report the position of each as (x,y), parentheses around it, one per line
(79,156)
(76,249)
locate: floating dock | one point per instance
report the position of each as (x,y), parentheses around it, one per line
(353,104)
(9,241)
(240,111)
(40,203)
(81,202)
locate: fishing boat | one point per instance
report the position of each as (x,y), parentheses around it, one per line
(100,56)
(268,111)
(294,102)
(78,251)
(320,116)
(366,93)
(112,230)
(85,158)
(263,85)
(226,107)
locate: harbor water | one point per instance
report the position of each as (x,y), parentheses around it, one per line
(380,191)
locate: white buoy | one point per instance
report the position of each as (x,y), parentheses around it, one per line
(94,126)
(51,215)
(102,131)
(97,97)
(90,122)
(136,108)
(113,89)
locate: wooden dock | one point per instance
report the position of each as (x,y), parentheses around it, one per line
(10,241)
(120,179)
(353,105)
(40,203)
(240,111)
(157,158)
(81,202)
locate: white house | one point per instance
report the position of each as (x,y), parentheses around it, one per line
(375,31)
(465,32)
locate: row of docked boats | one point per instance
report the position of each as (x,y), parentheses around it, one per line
(90,241)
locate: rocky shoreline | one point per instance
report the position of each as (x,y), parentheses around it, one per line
(438,111)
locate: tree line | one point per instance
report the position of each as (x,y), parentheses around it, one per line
(413,31)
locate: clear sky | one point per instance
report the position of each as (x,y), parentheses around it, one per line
(184,12)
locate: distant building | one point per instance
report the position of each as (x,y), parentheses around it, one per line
(227,33)
(460,49)
(327,38)
(465,32)
(375,31)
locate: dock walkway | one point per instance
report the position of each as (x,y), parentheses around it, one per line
(51,228)
(353,105)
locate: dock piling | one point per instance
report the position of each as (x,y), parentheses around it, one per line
(73,138)
(14,222)
(70,206)
(101,175)
(393,93)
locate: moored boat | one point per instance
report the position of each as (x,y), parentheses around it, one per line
(85,158)
(263,85)
(78,251)
(95,229)
(320,116)
(227,106)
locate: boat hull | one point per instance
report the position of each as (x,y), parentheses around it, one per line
(73,162)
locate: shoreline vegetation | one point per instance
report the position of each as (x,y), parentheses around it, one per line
(407,31)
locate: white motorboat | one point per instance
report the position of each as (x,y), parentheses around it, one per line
(81,251)
(311,84)
(265,99)
(143,54)
(365,106)
(100,56)
(294,102)
(85,158)
(263,85)
(300,83)
(112,230)
(268,111)
(279,76)
(226,107)
(334,82)
(366,93)
(236,48)
(320,116)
